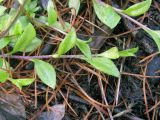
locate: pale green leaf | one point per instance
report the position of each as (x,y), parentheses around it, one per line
(74,4)
(138,9)
(4,20)
(4,42)
(128,52)
(59,26)
(104,65)
(112,53)
(26,38)
(22,82)
(52,14)
(3,76)
(46,72)
(84,48)
(67,43)
(36,42)
(155,34)
(4,64)
(21,1)
(106,14)
(2,10)
(24,21)
(16,29)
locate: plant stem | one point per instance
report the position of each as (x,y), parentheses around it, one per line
(44,56)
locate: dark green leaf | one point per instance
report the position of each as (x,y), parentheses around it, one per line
(74,4)
(52,14)
(67,43)
(106,14)
(26,38)
(84,47)
(155,34)
(22,82)
(128,52)
(46,72)
(138,9)
(111,53)
(3,76)
(105,65)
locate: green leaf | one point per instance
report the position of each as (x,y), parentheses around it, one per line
(21,1)
(4,21)
(67,43)
(104,65)
(16,29)
(36,42)
(1,62)
(155,34)
(4,42)
(22,82)
(4,64)
(74,4)
(1,1)
(3,76)
(106,14)
(46,72)
(2,10)
(24,21)
(64,28)
(138,9)
(26,38)
(111,53)
(31,7)
(52,14)
(128,52)
(84,47)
